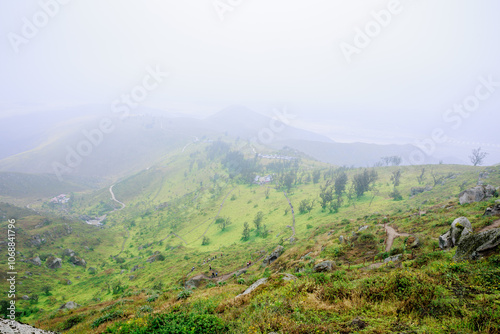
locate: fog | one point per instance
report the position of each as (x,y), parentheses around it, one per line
(386,72)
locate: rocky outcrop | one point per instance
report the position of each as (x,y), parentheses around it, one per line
(473,246)
(325,266)
(413,242)
(69,252)
(37,240)
(273,256)
(69,306)
(459,229)
(477,194)
(253,286)
(289,277)
(155,257)
(10,326)
(53,262)
(78,261)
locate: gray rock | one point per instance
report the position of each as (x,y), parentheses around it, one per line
(460,228)
(78,261)
(25,297)
(254,286)
(69,252)
(418,190)
(241,272)
(195,282)
(413,242)
(473,246)
(358,323)
(122,271)
(341,239)
(362,228)
(131,277)
(325,266)
(36,261)
(476,194)
(331,232)
(69,306)
(37,240)
(393,258)
(136,267)
(494,211)
(53,262)
(273,256)
(304,257)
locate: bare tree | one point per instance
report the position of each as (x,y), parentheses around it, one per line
(477,156)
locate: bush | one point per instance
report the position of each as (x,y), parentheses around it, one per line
(152,298)
(72,321)
(105,318)
(366,237)
(184,294)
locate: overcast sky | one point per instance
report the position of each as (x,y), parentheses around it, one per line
(422,60)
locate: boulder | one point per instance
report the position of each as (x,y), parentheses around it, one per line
(362,228)
(459,229)
(473,246)
(476,194)
(37,240)
(341,239)
(69,252)
(325,266)
(273,256)
(494,211)
(253,286)
(36,261)
(289,277)
(69,306)
(413,242)
(77,261)
(53,262)
(25,297)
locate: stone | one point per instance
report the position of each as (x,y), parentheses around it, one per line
(477,194)
(37,240)
(25,297)
(240,272)
(77,261)
(36,261)
(304,257)
(195,282)
(494,211)
(474,246)
(69,306)
(358,323)
(131,277)
(325,266)
(413,242)
(53,262)
(254,286)
(341,239)
(273,256)
(362,228)
(136,267)
(459,229)
(418,190)
(69,252)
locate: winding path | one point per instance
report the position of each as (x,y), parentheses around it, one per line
(114,199)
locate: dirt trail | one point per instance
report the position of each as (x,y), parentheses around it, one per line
(225,277)
(123,244)
(114,199)
(495,224)
(391,235)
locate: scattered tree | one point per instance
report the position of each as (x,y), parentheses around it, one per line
(477,157)
(363,181)
(396,177)
(258,221)
(316,176)
(246,232)
(306,206)
(205,241)
(421,178)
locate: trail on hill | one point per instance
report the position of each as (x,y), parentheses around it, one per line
(123,244)
(114,199)
(391,235)
(293,217)
(491,227)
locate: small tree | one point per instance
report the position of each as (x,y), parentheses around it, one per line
(396,177)
(246,232)
(421,178)
(316,176)
(477,157)
(258,220)
(205,241)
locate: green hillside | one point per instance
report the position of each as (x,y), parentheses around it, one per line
(174,218)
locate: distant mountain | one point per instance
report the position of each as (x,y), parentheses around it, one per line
(242,122)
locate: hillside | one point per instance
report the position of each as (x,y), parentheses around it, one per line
(192,207)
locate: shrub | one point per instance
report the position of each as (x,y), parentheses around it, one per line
(366,237)
(72,321)
(105,318)
(184,294)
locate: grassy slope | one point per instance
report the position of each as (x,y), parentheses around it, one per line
(165,199)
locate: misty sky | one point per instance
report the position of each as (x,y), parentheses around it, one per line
(426,58)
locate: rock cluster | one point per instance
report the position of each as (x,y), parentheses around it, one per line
(460,228)
(477,194)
